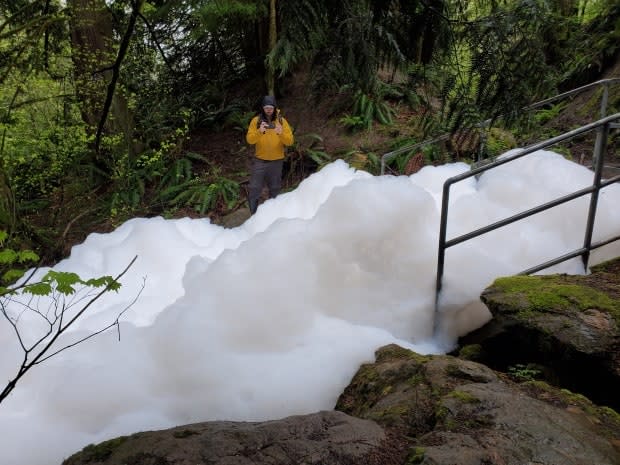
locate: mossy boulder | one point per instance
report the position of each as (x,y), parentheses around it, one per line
(567,326)
(457,411)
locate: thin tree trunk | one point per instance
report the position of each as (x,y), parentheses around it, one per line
(273,37)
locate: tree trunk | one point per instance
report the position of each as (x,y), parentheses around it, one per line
(93,54)
(7,211)
(273,37)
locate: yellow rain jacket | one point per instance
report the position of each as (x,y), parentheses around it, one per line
(270,146)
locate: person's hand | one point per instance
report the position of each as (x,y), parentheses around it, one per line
(278,128)
(263,127)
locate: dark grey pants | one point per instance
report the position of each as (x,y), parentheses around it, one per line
(264,172)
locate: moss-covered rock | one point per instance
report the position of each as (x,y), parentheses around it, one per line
(567,326)
(554,293)
(457,411)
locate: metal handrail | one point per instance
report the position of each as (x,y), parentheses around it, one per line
(602,126)
(604,101)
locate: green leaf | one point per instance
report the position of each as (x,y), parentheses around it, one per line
(104,281)
(8,256)
(38,289)
(62,277)
(64,281)
(12,275)
(27,256)
(65,288)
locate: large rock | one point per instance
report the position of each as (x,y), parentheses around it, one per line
(402,409)
(321,438)
(563,328)
(460,412)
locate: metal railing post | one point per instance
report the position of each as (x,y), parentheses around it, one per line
(441,250)
(600,146)
(604,100)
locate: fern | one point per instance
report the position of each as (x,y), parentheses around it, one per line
(352,123)
(368,108)
(319,157)
(546,114)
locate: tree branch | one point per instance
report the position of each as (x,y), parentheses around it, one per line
(157,44)
(43,354)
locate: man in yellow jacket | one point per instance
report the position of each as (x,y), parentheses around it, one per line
(270,133)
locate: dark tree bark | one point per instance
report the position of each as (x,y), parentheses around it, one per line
(96,70)
(92,54)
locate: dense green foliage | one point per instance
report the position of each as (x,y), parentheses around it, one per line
(103,110)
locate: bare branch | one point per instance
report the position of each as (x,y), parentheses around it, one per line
(157,44)
(60,328)
(114,323)
(70,223)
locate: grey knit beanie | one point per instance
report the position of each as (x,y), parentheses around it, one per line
(269,100)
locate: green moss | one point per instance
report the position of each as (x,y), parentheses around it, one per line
(610,413)
(416,456)
(441,414)
(544,293)
(609,418)
(102,451)
(464,397)
(573,397)
(604,267)
(367,373)
(416,379)
(453,370)
(394,352)
(471,352)
(390,416)
(499,141)
(363,392)
(521,372)
(450,424)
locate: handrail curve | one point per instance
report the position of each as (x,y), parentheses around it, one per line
(602,126)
